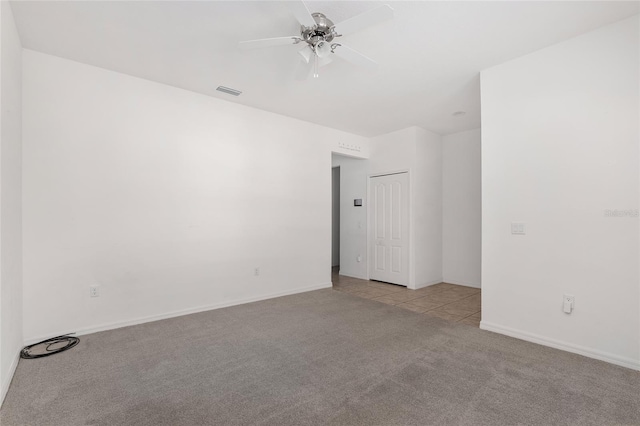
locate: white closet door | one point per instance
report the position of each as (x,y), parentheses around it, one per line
(389,239)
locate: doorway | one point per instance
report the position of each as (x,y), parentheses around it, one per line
(389,231)
(335,217)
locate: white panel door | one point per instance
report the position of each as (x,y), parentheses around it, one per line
(389,232)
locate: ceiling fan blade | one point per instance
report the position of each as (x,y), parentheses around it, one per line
(301,12)
(269,42)
(364,20)
(355,57)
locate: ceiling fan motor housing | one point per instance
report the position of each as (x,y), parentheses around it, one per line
(322,31)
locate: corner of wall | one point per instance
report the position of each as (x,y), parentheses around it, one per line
(461,208)
(428,207)
(11,337)
(8,377)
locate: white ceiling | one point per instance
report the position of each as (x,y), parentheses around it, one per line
(430,54)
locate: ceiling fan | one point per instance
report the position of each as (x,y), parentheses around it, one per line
(318,34)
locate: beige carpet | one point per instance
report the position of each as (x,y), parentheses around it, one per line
(322,357)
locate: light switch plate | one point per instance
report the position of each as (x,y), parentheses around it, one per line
(518,228)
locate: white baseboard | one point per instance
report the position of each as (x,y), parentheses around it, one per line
(7,381)
(142,320)
(568,347)
(427,284)
(460,282)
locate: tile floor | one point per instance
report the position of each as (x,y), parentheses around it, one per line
(447,301)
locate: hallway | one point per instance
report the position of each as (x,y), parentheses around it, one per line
(447,301)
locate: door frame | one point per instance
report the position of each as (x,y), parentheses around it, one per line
(411,284)
(339,214)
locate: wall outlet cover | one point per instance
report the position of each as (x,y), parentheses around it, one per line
(568,303)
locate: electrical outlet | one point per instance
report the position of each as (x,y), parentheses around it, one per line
(94,291)
(256,271)
(568,303)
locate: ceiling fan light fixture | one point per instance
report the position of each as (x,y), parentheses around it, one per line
(316,66)
(322,49)
(306,53)
(318,33)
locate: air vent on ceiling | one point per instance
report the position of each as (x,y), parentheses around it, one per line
(228,90)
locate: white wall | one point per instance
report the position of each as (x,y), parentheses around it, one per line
(461,208)
(427,205)
(353,220)
(10,198)
(420,152)
(393,151)
(559,147)
(164,198)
